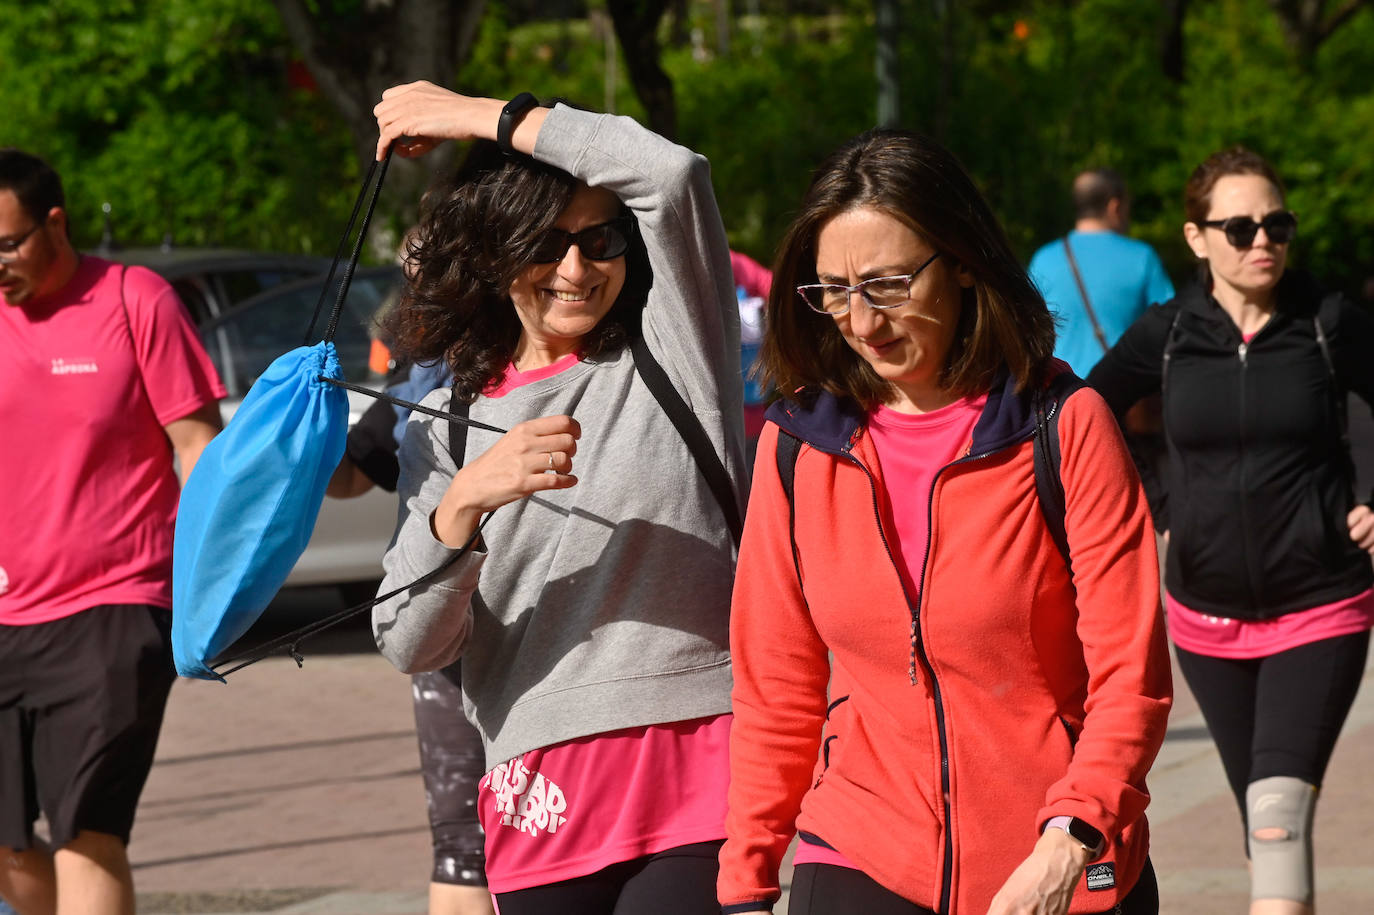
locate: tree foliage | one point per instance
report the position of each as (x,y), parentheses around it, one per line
(178,114)
(183,114)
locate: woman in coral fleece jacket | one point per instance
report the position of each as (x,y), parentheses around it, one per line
(951,719)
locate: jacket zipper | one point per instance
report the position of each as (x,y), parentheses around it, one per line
(1243,351)
(918,654)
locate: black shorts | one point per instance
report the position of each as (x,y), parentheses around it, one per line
(81,702)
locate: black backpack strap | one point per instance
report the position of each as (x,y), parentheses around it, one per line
(789,446)
(1049,485)
(692,432)
(457,432)
(1338,395)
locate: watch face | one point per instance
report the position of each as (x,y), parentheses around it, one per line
(1090,838)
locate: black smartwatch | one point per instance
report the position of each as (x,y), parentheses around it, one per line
(1081,832)
(509,114)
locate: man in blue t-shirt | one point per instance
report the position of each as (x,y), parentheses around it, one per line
(1120,276)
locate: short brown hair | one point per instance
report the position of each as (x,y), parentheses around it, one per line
(1197,193)
(1003,320)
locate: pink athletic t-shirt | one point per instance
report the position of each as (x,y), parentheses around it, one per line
(1223,637)
(912,447)
(88,381)
(576,807)
(573,808)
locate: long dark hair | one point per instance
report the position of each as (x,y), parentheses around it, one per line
(478,229)
(1003,319)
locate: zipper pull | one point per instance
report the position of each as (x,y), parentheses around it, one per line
(911,664)
(1242,350)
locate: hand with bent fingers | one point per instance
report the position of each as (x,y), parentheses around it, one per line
(533,456)
(1043,883)
(1361,524)
(419,116)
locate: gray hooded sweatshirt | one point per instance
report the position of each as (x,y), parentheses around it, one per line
(605,605)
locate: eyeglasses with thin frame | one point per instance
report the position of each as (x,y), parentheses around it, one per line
(881,292)
(9,247)
(602,242)
(1279,227)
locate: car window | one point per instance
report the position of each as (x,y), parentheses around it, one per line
(246,341)
(241,285)
(193,297)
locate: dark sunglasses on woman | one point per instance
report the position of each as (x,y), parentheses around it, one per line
(601,242)
(1279,226)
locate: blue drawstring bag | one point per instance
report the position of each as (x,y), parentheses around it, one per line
(249,508)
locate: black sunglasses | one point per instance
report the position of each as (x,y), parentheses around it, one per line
(1280,227)
(601,242)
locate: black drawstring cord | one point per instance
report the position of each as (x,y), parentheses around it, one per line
(292,640)
(417,408)
(357,249)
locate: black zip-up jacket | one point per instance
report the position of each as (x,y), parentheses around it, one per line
(1259,478)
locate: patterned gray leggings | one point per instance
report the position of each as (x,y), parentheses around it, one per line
(452,762)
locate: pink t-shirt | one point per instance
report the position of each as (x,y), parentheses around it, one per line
(1223,637)
(515,378)
(912,447)
(87,385)
(756,279)
(576,807)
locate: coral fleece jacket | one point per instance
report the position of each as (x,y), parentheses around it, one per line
(954,723)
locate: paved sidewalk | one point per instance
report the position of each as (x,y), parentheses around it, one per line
(298,791)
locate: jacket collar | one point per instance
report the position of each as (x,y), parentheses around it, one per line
(1297,295)
(833,424)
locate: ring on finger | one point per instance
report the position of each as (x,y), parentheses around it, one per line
(550,456)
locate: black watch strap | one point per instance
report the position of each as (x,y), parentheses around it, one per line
(509,115)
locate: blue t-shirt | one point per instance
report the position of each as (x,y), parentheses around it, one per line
(1123,276)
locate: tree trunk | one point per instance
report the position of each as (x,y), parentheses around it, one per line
(1171,58)
(885,62)
(355,56)
(947,61)
(1306,23)
(636,26)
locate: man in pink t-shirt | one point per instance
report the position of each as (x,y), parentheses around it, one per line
(103,383)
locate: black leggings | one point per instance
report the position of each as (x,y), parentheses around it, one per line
(678,881)
(1278,715)
(452,762)
(827,889)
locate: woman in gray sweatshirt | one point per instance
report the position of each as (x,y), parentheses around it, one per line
(591,613)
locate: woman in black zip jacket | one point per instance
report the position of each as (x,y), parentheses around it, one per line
(1268,577)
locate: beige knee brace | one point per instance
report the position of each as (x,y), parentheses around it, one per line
(1280,813)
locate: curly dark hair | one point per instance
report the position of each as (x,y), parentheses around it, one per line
(478,230)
